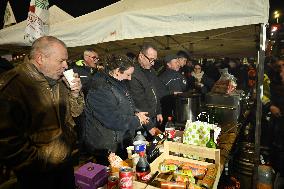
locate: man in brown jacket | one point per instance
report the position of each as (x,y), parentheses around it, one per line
(36,126)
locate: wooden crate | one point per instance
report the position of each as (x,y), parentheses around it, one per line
(201,152)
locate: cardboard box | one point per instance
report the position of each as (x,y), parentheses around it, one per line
(202,152)
(91,176)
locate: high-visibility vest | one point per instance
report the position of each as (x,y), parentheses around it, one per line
(266,90)
(80,63)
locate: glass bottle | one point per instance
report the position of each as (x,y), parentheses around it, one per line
(170,129)
(211,143)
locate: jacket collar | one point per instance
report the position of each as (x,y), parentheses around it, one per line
(141,69)
(33,74)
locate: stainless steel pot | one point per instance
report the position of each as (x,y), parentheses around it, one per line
(228,106)
(187,106)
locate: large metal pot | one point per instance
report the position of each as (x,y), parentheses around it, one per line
(227,106)
(187,106)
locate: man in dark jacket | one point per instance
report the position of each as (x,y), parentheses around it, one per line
(86,68)
(36,125)
(174,83)
(173,80)
(144,86)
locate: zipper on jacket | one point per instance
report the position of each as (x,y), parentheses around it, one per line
(155,100)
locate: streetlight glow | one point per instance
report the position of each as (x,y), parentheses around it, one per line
(276,15)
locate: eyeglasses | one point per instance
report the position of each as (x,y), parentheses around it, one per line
(94,58)
(149,59)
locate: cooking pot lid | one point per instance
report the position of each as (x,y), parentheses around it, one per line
(189,94)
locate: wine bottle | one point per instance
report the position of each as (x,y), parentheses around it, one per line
(211,143)
(170,129)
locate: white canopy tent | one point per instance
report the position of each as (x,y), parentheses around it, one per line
(12,38)
(228,26)
(130,19)
(203,27)
(171,25)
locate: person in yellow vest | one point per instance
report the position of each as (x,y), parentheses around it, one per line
(86,68)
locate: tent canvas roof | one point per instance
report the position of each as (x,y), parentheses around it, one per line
(206,27)
(238,41)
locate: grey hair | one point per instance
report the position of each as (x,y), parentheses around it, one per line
(89,50)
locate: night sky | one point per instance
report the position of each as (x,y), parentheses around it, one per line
(72,7)
(78,8)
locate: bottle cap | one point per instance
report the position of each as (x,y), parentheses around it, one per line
(141,154)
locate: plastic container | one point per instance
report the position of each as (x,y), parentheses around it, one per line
(139,143)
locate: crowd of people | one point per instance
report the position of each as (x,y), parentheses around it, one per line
(273,102)
(41,112)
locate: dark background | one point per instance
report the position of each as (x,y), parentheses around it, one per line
(72,7)
(80,7)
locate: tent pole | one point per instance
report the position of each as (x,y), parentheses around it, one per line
(259,92)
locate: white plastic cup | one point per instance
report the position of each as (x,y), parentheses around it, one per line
(69,75)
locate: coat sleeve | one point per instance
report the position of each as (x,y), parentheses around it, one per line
(77,104)
(16,149)
(104,107)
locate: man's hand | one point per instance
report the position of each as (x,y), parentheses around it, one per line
(155,131)
(275,111)
(159,118)
(76,85)
(143,118)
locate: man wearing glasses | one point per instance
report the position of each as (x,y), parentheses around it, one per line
(144,87)
(86,68)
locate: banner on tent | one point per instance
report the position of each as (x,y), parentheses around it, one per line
(9,18)
(38,20)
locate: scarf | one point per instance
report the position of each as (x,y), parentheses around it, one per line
(198,76)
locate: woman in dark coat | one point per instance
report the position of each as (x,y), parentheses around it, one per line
(200,81)
(111,118)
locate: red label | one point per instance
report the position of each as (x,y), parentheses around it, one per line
(144,176)
(170,132)
(126,182)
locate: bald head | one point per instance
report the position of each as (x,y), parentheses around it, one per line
(49,55)
(44,45)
